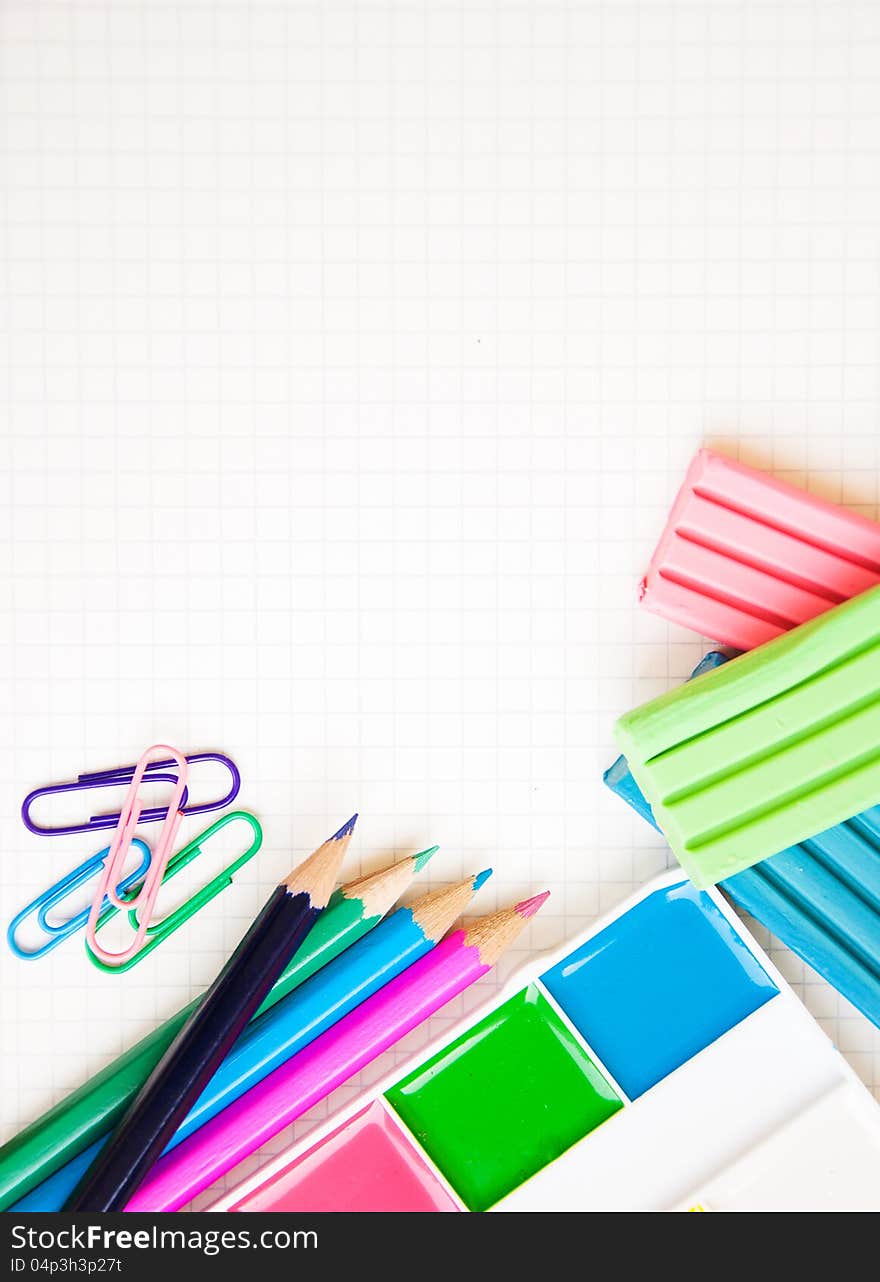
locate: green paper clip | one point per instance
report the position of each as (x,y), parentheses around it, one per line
(167,926)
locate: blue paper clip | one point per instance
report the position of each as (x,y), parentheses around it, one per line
(156,772)
(162,929)
(45,902)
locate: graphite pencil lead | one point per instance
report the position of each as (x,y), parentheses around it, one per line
(491,935)
(436,911)
(316,876)
(378,891)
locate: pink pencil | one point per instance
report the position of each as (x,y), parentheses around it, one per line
(283,1096)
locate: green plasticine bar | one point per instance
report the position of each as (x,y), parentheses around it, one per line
(94,1108)
(768,750)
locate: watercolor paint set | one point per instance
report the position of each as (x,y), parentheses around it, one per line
(658,1061)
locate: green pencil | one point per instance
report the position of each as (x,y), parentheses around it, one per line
(94,1108)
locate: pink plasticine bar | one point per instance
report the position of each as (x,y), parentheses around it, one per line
(745,557)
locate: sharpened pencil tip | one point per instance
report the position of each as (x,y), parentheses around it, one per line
(346,830)
(437,910)
(316,876)
(495,932)
(528,907)
(422,858)
(481,878)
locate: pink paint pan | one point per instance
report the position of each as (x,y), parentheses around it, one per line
(364,1165)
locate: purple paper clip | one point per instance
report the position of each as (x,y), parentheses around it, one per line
(155,772)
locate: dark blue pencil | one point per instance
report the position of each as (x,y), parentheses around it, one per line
(195,1054)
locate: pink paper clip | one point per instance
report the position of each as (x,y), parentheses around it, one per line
(114,864)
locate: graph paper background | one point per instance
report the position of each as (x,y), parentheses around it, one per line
(351,355)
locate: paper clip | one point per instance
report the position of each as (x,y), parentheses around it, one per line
(45,902)
(144,896)
(156,772)
(162,929)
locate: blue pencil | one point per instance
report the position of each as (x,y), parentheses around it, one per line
(401,939)
(54,1191)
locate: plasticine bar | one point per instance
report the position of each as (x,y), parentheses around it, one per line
(821,898)
(745,557)
(768,750)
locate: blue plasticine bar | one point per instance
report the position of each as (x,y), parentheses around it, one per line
(821,897)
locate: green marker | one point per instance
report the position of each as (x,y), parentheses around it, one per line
(91,1111)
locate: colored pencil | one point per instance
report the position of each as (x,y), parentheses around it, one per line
(293,1024)
(43,1165)
(199,1048)
(301,1017)
(457,961)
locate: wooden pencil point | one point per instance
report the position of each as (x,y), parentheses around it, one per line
(378,891)
(491,935)
(436,911)
(317,875)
